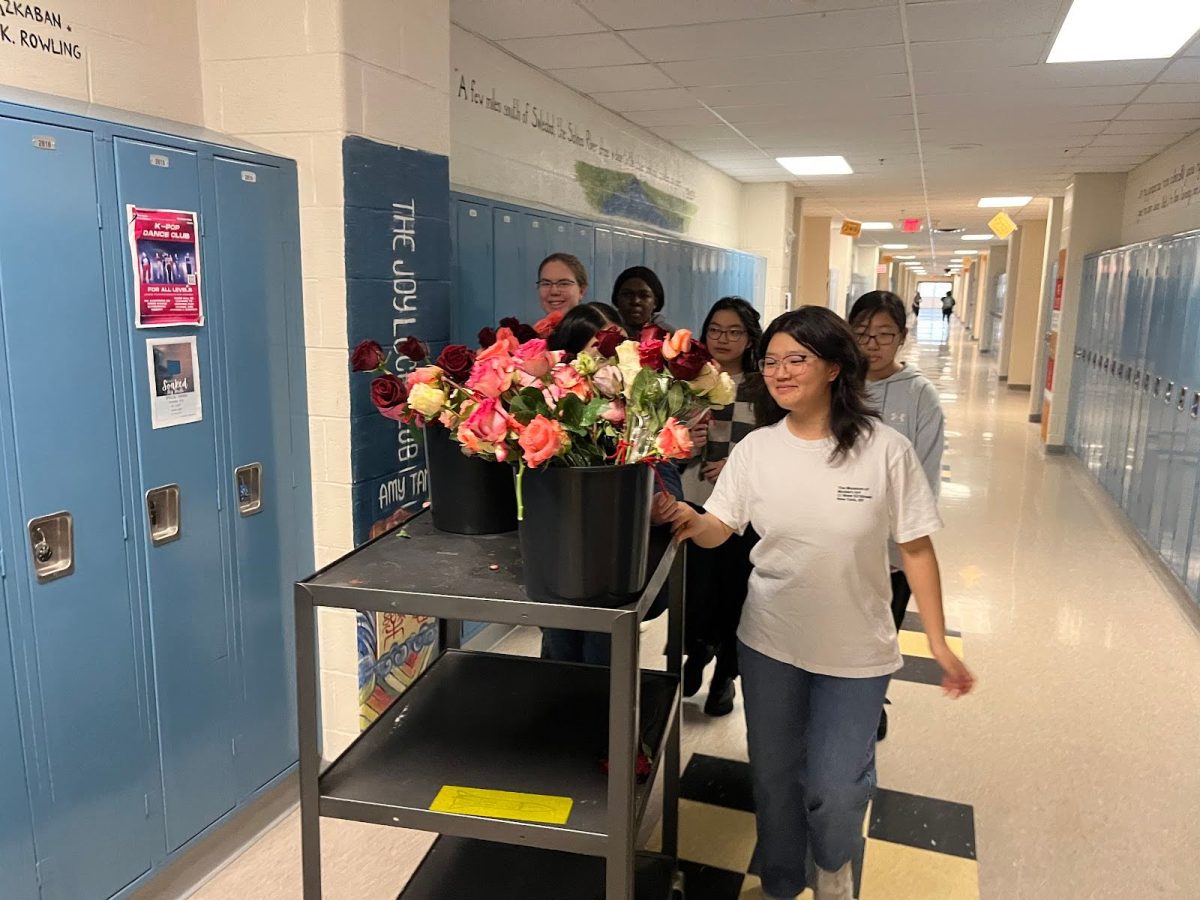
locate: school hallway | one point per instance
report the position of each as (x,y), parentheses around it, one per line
(1068,773)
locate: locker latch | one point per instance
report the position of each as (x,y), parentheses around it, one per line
(1182,398)
(162,509)
(248,481)
(52,542)
(1168,392)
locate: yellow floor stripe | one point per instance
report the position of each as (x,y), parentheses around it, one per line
(914,643)
(896,872)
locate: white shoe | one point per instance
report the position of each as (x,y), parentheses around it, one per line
(837,885)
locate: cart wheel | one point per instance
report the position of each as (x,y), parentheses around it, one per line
(677,886)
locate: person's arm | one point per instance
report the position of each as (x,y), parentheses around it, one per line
(702,529)
(921,568)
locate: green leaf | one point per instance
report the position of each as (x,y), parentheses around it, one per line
(527,405)
(676,397)
(570,411)
(591,413)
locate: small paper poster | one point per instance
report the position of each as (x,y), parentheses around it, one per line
(851,229)
(174,381)
(166,267)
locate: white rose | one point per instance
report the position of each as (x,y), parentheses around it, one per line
(725,391)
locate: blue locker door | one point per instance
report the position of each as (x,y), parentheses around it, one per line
(250,203)
(605,272)
(513,282)
(87,735)
(474,276)
(17,861)
(537,248)
(189,610)
(583,245)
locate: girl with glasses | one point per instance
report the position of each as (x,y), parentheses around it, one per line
(907,401)
(824,486)
(717,578)
(562,282)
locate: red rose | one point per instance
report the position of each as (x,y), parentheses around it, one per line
(487,337)
(653,332)
(412,348)
(608,340)
(388,393)
(512,323)
(456,361)
(527,333)
(687,365)
(650,354)
(547,325)
(367,357)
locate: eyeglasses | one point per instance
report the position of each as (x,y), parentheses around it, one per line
(793,362)
(635,295)
(886,339)
(731,334)
(561,284)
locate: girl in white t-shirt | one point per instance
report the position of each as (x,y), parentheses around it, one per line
(824,487)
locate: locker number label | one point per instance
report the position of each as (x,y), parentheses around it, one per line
(163,162)
(44,142)
(250,177)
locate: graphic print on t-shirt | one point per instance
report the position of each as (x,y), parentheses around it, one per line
(849,494)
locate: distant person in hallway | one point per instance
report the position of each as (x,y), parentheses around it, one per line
(948,304)
(825,486)
(562,282)
(907,401)
(916,306)
(638,295)
(717,579)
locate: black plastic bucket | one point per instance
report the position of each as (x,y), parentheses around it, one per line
(468,495)
(586,533)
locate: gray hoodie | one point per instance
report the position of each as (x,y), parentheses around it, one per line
(908,402)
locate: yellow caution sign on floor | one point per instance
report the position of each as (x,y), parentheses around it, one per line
(466,801)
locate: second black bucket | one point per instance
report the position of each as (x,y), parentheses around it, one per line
(586,533)
(468,495)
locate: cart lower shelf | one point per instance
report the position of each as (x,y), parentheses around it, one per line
(465,869)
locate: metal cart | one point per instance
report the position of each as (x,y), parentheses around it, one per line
(476,723)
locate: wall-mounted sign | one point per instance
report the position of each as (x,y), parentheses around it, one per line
(911,226)
(165,248)
(851,229)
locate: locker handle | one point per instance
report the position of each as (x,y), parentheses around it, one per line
(163,512)
(1182,398)
(1168,392)
(1157,386)
(248,482)
(52,543)
(1196,405)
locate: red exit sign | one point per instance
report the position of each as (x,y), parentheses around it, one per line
(911,226)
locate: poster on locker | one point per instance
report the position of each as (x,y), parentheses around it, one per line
(165,246)
(174,368)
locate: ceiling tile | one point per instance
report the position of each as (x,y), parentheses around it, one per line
(586,50)
(1036,78)
(503,19)
(642,77)
(790,34)
(1172,93)
(628,14)
(1177,127)
(805,93)
(655,118)
(1144,111)
(967,19)
(628,101)
(1154,142)
(787,67)
(1185,71)
(982,53)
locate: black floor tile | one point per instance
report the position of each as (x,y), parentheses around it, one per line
(710,883)
(923,822)
(912,622)
(919,669)
(720,782)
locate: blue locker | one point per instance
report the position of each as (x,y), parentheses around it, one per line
(1163,505)
(18,871)
(685,254)
(87,740)
(583,245)
(1185,462)
(513,281)
(1139,261)
(605,271)
(474,279)
(537,248)
(253,258)
(190,613)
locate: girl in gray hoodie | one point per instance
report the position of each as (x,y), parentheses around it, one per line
(907,401)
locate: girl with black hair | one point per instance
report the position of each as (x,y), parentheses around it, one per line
(578,329)
(825,486)
(717,578)
(638,294)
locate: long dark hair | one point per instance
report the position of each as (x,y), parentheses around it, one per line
(872,303)
(752,380)
(581,324)
(825,333)
(648,276)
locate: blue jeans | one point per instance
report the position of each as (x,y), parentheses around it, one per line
(812,761)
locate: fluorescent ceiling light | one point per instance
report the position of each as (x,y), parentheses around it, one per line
(894,246)
(878,226)
(904,257)
(1097,30)
(815,165)
(968,252)
(1003,202)
(957,260)
(979,237)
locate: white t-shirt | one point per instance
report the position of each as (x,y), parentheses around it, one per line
(820,594)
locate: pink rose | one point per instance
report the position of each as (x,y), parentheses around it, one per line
(534,358)
(506,344)
(545,327)
(541,440)
(471,444)
(608,381)
(423,375)
(492,375)
(489,421)
(569,381)
(679,342)
(674,441)
(614,412)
